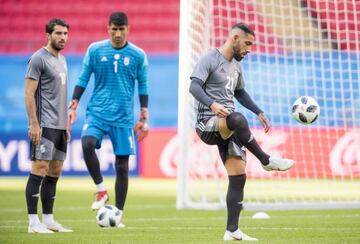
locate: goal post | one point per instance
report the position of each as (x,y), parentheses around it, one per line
(301,48)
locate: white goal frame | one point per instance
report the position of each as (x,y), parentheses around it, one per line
(325,197)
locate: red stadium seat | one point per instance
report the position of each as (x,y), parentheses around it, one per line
(338,19)
(154,24)
(88,20)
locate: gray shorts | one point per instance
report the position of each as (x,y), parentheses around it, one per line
(208,131)
(53,145)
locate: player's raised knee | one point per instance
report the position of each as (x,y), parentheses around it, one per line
(236,120)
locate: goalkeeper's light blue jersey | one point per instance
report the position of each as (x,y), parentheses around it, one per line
(116,72)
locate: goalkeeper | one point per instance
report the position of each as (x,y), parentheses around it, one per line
(116,65)
(215,82)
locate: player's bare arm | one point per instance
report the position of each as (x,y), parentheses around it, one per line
(68,129)
(72,111)
(78,91)
(265,122)
(141,128)
(34,127)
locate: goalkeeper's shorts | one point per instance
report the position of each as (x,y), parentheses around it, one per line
(122,139)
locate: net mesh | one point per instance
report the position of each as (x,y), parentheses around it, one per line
(302,48)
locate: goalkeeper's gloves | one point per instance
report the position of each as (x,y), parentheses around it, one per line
(72,111)
(141,128)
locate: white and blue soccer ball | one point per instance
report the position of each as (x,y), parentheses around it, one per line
(108,216)
(305,110)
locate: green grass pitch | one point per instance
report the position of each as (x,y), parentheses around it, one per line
(150,217)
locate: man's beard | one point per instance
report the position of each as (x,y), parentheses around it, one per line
(56,47)
(237,55)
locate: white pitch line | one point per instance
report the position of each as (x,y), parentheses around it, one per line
(149,206)
(212,228)
(191,219)
(132,220)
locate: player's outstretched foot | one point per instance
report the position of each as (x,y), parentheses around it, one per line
(237,235)
(39,228)
(101,198)
(121,225)
(280,164)
(56,227)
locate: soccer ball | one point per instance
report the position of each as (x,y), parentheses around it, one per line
(108,216)
(305,110)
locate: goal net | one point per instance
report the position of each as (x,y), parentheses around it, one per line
(302,48)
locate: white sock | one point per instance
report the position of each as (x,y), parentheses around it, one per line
(33,219)
(101,187)
(47,218)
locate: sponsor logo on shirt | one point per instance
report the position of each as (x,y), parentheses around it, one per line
(104,59)
(126,61)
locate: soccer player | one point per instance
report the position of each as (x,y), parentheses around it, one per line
(215,81)
(46,105)
(117,64)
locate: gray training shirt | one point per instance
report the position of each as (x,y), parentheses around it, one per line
(221,78)
(51,94)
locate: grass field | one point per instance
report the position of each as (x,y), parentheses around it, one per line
(150,217)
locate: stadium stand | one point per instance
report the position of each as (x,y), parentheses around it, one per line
(154,24)
(340,19)
(297,33)
(266,41)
